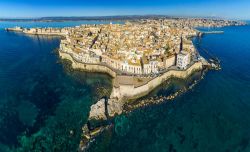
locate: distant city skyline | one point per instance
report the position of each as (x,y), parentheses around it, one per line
(229,9)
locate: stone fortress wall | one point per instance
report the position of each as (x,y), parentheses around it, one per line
(133,92)
(130,91)
(123,91)
(87,66)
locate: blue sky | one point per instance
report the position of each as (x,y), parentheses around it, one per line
(231,9)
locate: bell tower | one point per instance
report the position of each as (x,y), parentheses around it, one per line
(181,44)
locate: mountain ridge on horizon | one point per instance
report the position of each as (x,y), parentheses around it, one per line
(113,17)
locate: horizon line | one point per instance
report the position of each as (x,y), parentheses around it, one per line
(135,15)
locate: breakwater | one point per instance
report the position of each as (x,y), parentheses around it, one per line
(201,33)
(130,106)
(213,32)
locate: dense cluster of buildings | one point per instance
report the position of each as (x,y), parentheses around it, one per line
(142,47)
(200,22)
(41,31)
(139,47)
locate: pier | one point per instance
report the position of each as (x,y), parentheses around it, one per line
(201,33)
(213,62)
(213,32)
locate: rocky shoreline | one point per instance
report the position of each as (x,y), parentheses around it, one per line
(100,119)
(102,113)
(127,87)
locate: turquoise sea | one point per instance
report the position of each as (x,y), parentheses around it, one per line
(42,100)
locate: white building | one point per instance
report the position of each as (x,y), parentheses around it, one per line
(183,60)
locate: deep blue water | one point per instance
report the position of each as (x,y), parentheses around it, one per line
(4,24)
(213,116)
(42,100)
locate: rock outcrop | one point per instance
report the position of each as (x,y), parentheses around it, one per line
(100,112)
(97,111)
(115,107)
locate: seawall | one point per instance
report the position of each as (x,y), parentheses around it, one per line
(103,111)
(45,33)
(61,34)
(132,92)
(87,67)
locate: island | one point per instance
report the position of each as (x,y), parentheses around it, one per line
(139,55)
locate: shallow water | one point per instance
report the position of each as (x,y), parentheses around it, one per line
(42,99)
